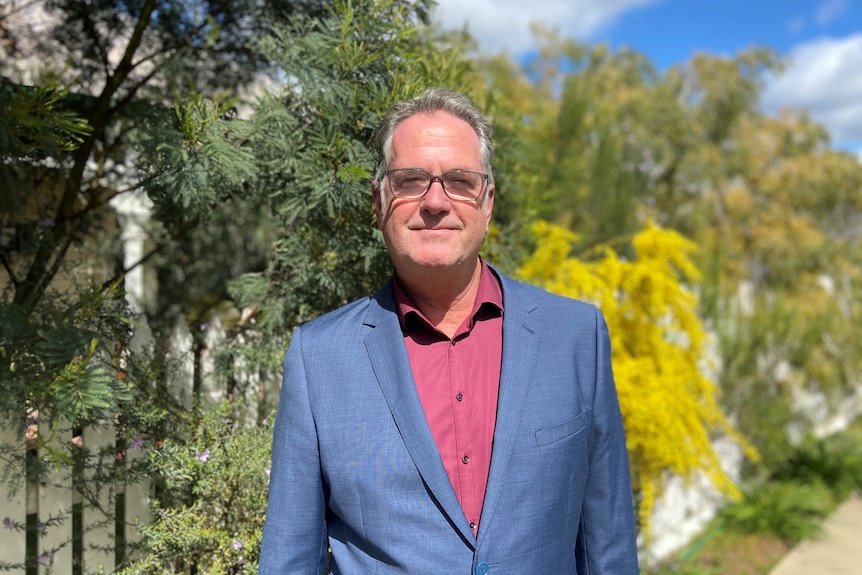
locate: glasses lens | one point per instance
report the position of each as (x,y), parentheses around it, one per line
(463,185)
(409,183)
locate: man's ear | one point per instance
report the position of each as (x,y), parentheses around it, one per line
(378,202)
(489,204)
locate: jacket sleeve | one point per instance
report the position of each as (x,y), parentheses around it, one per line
(606,541)
(294,534)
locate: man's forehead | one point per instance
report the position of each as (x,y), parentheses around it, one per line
(433,121)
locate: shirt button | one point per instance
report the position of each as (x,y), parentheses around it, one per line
(460,397)
(482,569)
(465,459)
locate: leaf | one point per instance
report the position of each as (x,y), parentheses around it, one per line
(58,346)
(87,392)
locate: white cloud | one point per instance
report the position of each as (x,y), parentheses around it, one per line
(499,25)
(823,76)
(829,10)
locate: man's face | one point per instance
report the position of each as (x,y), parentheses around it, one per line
(434,231)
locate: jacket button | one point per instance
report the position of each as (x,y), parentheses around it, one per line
(482,569)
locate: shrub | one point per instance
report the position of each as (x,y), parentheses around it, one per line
(834,463)
(209,518)
(661,351)
(788,510)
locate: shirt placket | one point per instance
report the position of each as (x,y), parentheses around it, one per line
(461,404)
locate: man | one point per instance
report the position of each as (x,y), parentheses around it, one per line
(457,421)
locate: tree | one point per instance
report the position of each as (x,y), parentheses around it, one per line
(769,205)
(314,149)
(122,96)
(146,109)
(310,140)
(659,346)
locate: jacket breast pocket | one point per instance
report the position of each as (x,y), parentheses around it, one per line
(569,428)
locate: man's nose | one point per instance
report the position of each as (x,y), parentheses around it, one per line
(435,199)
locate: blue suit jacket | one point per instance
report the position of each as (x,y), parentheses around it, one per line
(355,467)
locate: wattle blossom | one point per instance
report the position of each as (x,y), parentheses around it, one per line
(659,349)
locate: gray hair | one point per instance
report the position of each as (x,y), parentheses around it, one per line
(430,101)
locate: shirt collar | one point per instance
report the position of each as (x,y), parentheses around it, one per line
(489,292)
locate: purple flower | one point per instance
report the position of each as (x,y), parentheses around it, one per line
(9,524)
(204,326)
(267,471)
(45,557)
(46,222)
(203,456)
(237,544)
(137,442)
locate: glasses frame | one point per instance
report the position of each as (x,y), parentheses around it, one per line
(437,178)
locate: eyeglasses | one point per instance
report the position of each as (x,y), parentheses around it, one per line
(459,185)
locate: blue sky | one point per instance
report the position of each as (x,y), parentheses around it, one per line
(821,41)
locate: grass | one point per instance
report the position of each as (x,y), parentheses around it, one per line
(721,553)
(750,537)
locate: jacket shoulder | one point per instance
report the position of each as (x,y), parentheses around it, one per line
(365,311)
(535,298)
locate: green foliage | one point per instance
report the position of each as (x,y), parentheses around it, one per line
(754,386)
(717,552)
(312,142)
(780,347)
(37,121)
(61,365)
(215,486)
(789,510)
(194,158)
(81,389)
(835,464)
(610,142)
(586,149)
(104,128)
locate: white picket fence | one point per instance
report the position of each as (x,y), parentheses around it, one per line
(65,535)
(46,525)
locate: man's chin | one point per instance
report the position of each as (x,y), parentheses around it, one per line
(439,262)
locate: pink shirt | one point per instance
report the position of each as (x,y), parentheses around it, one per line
(458,380)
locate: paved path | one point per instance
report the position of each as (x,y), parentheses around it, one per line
(837,552)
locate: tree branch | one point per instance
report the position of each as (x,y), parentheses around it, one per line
(8,266)
(54,245)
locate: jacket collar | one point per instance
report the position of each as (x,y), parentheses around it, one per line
(391,365)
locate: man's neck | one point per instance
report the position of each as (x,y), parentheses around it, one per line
(445,299)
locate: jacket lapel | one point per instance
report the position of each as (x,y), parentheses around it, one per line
(520,349)
(391,365)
